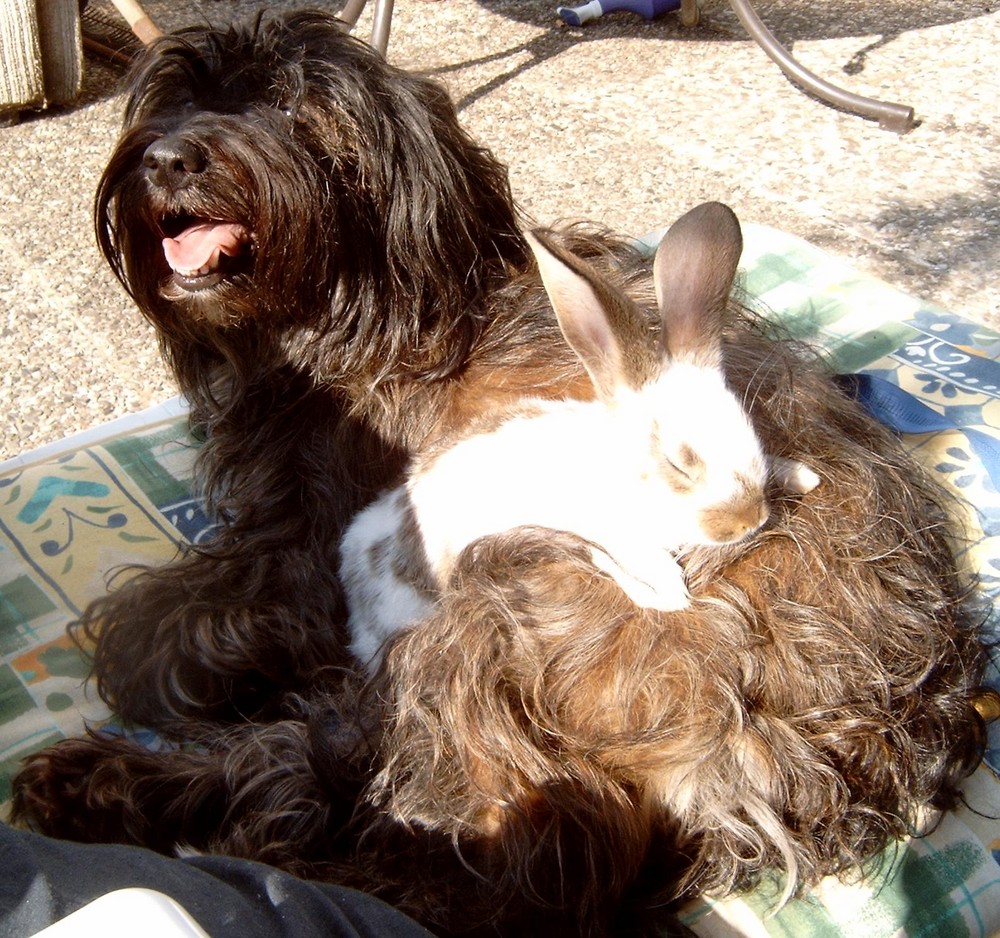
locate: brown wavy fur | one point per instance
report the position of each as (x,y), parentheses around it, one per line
(538,756)
(808,708)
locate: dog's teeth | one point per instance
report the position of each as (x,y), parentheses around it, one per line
(195,272)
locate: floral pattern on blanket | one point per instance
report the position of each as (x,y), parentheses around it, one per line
(66,527)
(69,523)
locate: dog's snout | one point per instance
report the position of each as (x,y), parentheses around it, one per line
(171,162)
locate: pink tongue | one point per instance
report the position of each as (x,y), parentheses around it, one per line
(200,245)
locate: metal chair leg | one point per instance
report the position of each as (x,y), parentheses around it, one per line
(381,20)
(351,12)
(896,117)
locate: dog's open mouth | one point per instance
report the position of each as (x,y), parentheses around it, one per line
(202,253)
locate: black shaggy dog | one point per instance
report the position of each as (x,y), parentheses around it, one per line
(338,238)
(338,279)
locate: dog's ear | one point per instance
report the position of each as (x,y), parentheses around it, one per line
(451,229)
(425,215)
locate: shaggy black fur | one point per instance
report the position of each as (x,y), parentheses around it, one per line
(376,228)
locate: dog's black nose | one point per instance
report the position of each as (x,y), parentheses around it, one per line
(171,162)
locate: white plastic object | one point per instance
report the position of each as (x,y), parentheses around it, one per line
(126,913)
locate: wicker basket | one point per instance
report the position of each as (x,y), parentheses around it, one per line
(41,53)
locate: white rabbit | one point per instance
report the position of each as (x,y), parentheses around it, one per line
(664,457)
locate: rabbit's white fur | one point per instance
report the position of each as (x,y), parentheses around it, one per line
(589,468)
(664,457)
(382,597)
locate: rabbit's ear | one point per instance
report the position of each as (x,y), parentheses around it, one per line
(693,273)
(605,328)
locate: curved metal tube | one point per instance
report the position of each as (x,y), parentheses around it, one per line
(351,12)
(381,20)
(896,117)
(380,25)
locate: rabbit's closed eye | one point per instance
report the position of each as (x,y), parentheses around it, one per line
(682,469)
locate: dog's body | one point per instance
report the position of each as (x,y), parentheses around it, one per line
(343,282)
(329,347)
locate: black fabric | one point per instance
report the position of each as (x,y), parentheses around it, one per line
(44,880)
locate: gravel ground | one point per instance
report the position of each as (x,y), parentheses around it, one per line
(623,121)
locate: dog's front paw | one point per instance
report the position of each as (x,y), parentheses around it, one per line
(50,792)
(79,789)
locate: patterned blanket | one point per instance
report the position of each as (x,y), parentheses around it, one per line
(76,512)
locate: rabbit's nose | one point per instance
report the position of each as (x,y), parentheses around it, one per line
(734,519)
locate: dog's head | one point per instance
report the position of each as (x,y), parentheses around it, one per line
(279,180)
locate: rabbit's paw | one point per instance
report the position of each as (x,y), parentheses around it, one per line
(651,578)
(793,476)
